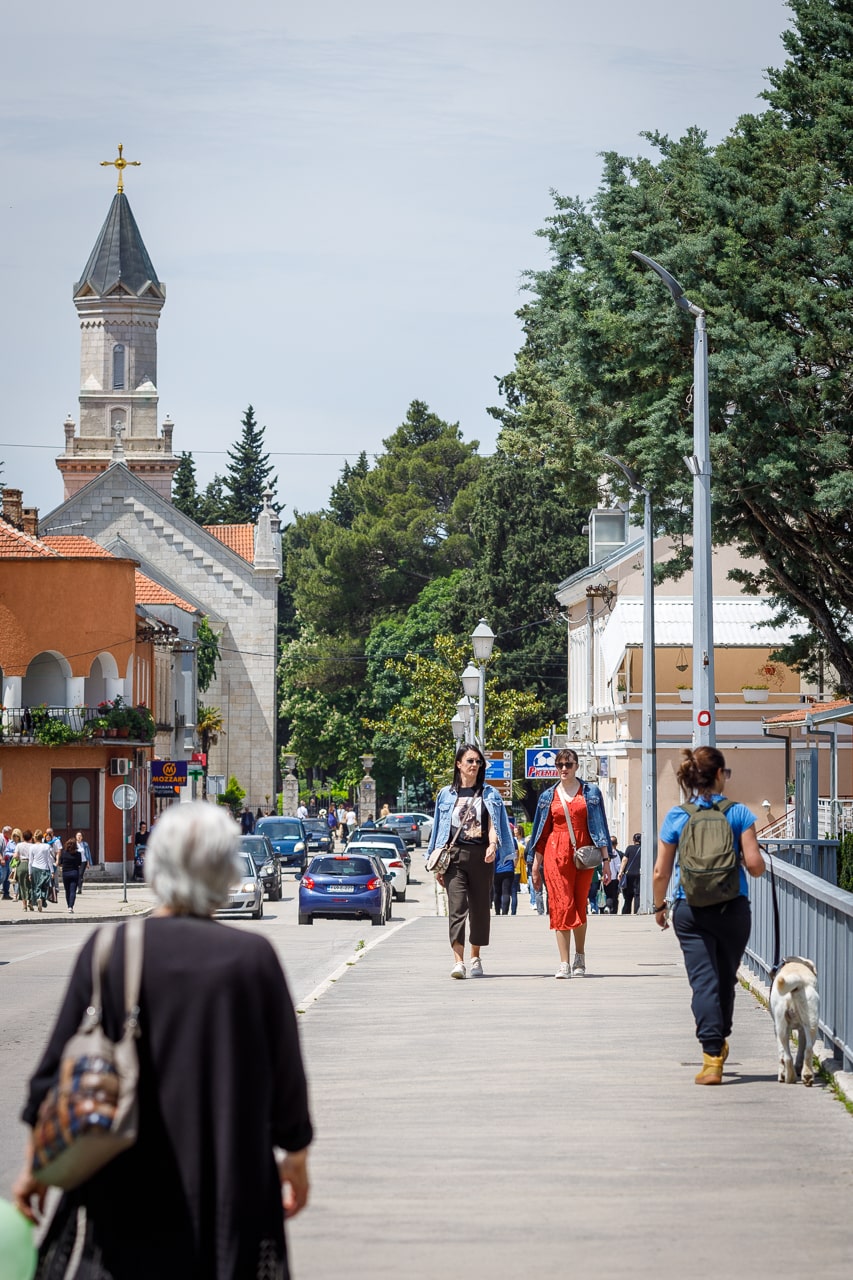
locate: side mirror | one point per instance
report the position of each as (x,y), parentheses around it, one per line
(388,879)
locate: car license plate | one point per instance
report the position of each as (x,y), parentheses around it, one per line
(341,888)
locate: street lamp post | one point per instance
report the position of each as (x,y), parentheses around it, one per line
(457,725)
(482,640)
(465,711)
(699,466)
(649,823)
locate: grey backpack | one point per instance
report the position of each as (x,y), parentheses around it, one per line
(707,860)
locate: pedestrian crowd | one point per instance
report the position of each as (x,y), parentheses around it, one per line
(33,862)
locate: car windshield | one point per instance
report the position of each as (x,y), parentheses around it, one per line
(281,830)
(313,824)
(259,856)
(247,865)
(380,850)
(342,868)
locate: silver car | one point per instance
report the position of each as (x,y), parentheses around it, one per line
(246,897)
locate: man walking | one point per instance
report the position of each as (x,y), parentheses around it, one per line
(629,874)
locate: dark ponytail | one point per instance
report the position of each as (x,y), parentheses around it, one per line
(699,770)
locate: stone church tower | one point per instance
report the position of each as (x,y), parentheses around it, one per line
(118,299)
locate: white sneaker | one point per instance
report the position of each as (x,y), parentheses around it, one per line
(476,967)
(564,971)
(579,966)
(458,970)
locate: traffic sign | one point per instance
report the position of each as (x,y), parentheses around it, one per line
(498,765)
(125,797)
(503,786)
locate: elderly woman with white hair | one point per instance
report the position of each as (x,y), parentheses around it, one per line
(224,1126)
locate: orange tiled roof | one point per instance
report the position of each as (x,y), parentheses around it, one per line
(239,537)
(810,709)
(66,544)
(150,592)
(15,545)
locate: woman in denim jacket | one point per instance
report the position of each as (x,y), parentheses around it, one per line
(553,848)
(476,811)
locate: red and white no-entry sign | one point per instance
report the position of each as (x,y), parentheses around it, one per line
(703,719)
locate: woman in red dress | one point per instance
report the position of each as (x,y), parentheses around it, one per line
(568,886)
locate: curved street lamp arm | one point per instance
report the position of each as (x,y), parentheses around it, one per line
(671,283)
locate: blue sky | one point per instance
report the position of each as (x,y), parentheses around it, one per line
(341,199)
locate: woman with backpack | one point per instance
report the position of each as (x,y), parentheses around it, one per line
(716,845)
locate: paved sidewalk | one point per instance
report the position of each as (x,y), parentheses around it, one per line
(93,906)
(518,1126)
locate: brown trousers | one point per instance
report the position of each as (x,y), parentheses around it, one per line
(468,881)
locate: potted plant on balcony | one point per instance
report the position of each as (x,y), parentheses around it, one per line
(141,723)
(51,731)
(685,692)
(97,727)
(118,718)
(754,692)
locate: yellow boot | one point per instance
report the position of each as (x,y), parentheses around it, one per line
(712,1070)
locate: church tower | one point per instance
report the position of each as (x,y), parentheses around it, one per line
(118,300)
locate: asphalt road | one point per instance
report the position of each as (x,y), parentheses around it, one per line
(36,959)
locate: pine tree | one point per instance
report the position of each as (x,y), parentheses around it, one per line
(184,487)
(212,505)
(249,473)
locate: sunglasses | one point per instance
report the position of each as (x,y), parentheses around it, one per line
(471,760)
(573,764)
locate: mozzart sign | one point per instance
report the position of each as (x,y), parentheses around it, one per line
(167,776)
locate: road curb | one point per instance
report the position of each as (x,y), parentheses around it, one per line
(311,999)
(43,918)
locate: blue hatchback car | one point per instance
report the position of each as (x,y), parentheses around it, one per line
(343,885)
(289,839)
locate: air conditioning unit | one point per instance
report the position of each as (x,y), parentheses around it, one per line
(119,768)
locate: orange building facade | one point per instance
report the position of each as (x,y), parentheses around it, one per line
(74,652)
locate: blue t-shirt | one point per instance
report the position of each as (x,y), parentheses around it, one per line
(739,818)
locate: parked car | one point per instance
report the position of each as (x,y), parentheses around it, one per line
(377,835)
(287,836)
(405,825)
(247,895)
(343,884)
(319,837)
(265,859)
(424,821)
(391,859)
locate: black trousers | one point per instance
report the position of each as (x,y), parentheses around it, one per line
(713,940)
(631,894)
(503,891)
(468,881)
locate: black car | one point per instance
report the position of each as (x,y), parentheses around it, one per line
(319,837)
(269,868)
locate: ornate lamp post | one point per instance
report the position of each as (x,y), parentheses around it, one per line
(289,785)
(366,790)
(457,725)
(482,640)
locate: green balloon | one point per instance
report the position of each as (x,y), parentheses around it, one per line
(18,1256)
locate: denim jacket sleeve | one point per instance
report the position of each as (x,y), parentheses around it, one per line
(596,818)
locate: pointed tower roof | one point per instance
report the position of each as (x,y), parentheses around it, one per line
(119,260)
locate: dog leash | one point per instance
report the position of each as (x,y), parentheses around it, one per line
(777,941)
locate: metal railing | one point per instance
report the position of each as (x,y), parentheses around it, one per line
(815,921)
(20,724)
(820,857)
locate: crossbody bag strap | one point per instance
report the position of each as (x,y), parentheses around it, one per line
(134,936)
(104,939)
(463,813)
(568,816)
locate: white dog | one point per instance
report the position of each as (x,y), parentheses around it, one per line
(795,1006)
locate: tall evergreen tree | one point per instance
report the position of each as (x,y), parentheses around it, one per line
(249,473)
(184,487)
(212,505)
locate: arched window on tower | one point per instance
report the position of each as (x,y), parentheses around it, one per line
(118,367)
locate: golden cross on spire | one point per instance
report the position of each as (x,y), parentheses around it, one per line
(120,164)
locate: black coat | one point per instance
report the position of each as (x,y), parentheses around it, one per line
(221,1082)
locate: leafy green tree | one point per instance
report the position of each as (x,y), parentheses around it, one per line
(526,539)
(392,529)
(249,474)
(757,230)
(185,488)
(209,725)
(420,724)
(208,655)
(232,797)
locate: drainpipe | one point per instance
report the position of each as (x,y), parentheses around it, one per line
(590,666)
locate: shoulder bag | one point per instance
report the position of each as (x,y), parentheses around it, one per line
(91,1114)
(439,860)
(588,855)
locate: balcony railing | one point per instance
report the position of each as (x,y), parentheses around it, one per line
(55,726)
